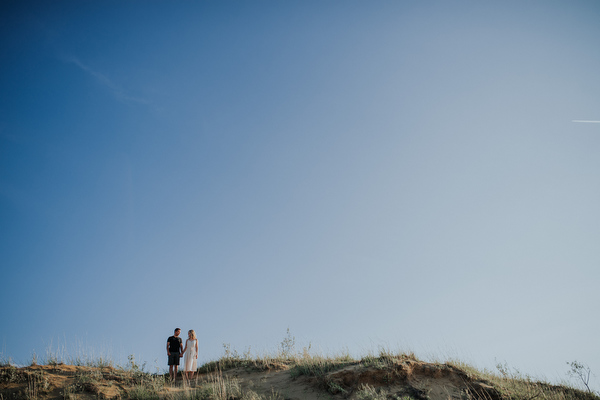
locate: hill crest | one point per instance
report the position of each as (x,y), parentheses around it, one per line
(373,378)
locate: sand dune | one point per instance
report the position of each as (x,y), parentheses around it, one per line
(399,377)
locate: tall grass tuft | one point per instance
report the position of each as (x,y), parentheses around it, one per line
(318,365)
(386,359)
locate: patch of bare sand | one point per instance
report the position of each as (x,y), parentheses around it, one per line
(416,379)
(279,382)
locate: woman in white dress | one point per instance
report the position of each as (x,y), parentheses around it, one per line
(190,354)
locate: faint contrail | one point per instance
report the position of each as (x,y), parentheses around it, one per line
(589,122)
(116,90)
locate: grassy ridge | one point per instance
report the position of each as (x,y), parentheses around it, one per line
(386,375)
(506,384)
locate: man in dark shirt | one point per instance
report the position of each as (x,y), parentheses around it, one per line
(174,351)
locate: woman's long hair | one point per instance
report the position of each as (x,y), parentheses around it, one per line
(191,331)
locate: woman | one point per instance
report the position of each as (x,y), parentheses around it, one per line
(190,354)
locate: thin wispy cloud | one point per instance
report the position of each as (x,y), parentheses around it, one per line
(118,92)
(586,121)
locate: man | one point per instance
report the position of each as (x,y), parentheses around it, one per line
(174,351)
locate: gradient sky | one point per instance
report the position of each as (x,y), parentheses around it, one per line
(404,174)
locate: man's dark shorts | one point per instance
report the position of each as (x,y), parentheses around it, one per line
(174,359)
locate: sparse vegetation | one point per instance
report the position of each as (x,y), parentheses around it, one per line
(367,392)
(319,366)
(5,361)
(30,384)
(234,376)
(513,385)
(582,372)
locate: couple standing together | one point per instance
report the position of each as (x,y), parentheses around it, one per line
(175,351)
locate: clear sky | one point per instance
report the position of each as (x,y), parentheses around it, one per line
(403,174)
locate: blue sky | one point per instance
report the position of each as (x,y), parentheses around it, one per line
(386,173)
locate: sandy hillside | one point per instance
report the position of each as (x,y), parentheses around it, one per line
(411,379)
(404,379)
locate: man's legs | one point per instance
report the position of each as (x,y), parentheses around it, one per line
(173,365)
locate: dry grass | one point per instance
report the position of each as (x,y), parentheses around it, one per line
(386,375)
(512,385)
